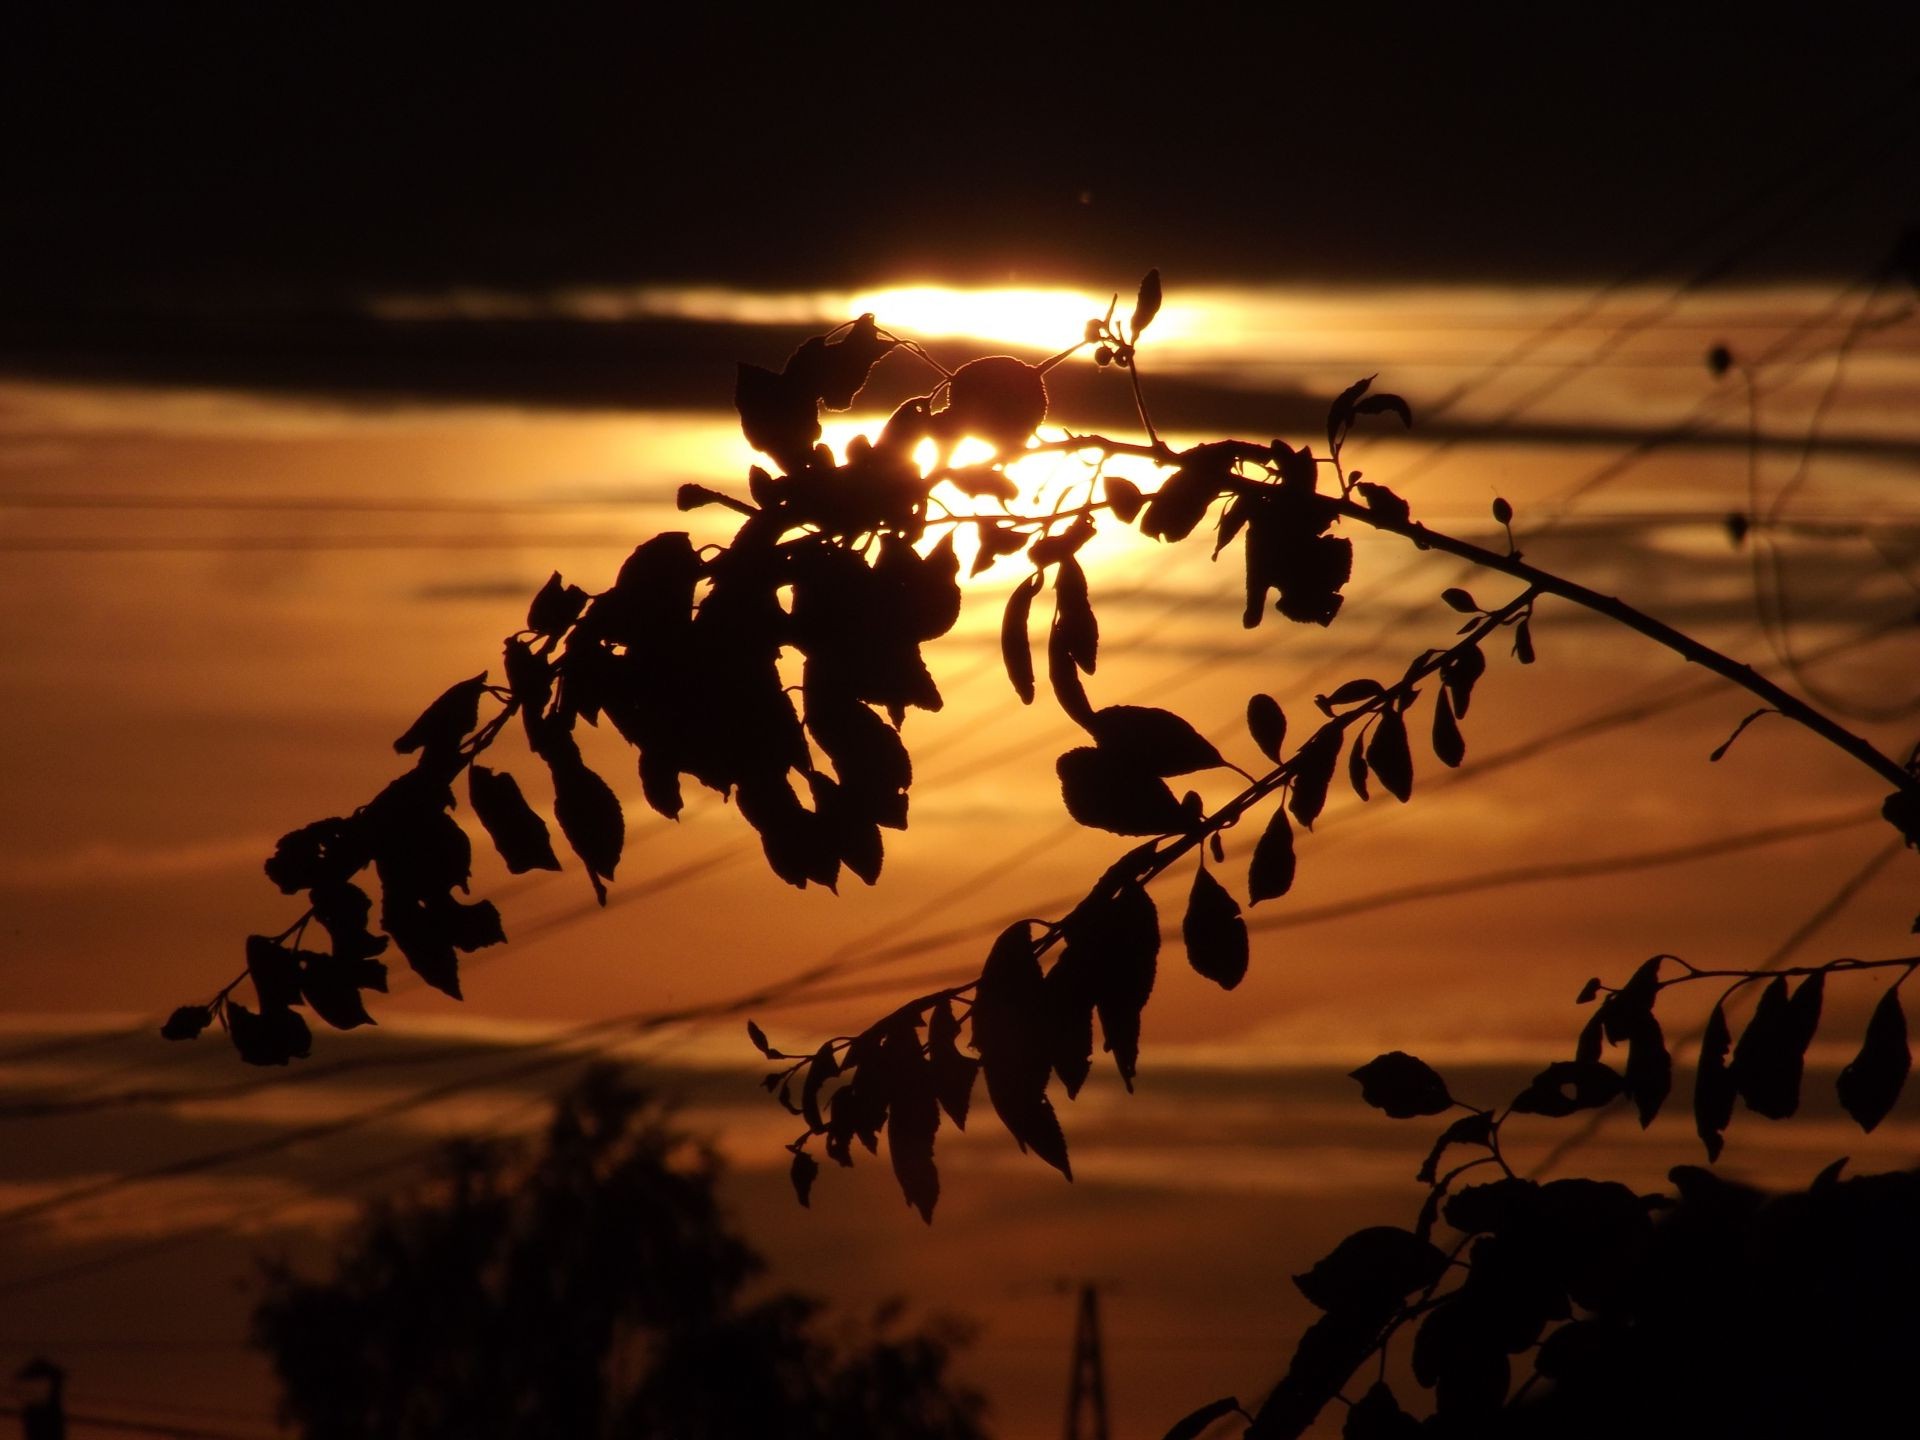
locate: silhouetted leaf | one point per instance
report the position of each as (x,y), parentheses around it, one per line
(1330,1350)
(1190,1427)
(186,1023)
(332,988)
(1073,616)
(447,721)
(556,607)
(1123,498)
(1070,986)
(325,852)
(1352,692)
(271,1038)
(1388,754)
(838,369)
(913,1115)
(1147,305)
(1770,1059)
(1156,741)
(1713,1086)
(1649,1074)
(1181,502)
(1357,768)
(1461,600)
(821,1067)
(953,1073)
(1015,652)
(1009,1033)
(274,971)
(1523,642)
(1340,412)
(1626,1009)
(1376,1415)
(1104,792)
(590,818)
(1403,1086)
(1372,1271)
(1386,404)
(1567,1086)
(1215,935)
(759,1039)
(1460,674)
(804,1171)
(1267,723)
(1448,746)
(779,416)
(1063,673)
(1459,1354)
(516,831)
(1270,875)
(1474,1129)
(1113,935)
(1313,766)
(1873,1079)
(1391,509)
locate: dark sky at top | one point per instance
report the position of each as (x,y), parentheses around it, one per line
(228,154)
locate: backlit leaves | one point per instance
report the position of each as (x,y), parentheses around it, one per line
(516,831)
(1106,792)
(1714,1090)
(1271,874)
(1388,754)
(1015,651)
(1873,1079)
(1147,305)
(1010,1035)
(1267,723)
(1214,932)
(1770,1059)
(1403,1086)
(447,721)
(1155,741)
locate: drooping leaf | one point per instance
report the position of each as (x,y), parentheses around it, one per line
(590,817)
(1270,875)
(1267,723)
(1403,1086)
(1357,768)
(1448,746)
(1015,652)
(1649,1074)
(332,988)
(1074,620)
(1628,1008)
(1388,754)
(1714,1090)
(1147,305)
(1568,1086)
(447,721)
(1114,936)
(275,973)
(1104,792)
(270,1038)
(1873,1079)
(186,1023)
(804,1171)
(1313,766)
(953,1073)
(1770,1059)
(1123,498)
(913,1116)
(1378,404)
(517,832)
(1063,674)
(1215,934)
(1156,741)
(1192,1426)
(1460,674)
(1523,642)
(1372,1271)
(1474,1129)
(1009,1032)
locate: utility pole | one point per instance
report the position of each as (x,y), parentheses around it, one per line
(1087,1384)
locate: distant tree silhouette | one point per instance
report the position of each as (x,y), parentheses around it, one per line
(841,569)
(592,1287)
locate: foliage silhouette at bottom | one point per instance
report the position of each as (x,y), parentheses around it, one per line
(594,1288)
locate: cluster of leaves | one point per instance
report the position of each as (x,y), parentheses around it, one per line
(1030,1015)
(1566,1269)
(682,656)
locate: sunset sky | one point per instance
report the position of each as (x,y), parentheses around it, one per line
(321,348)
